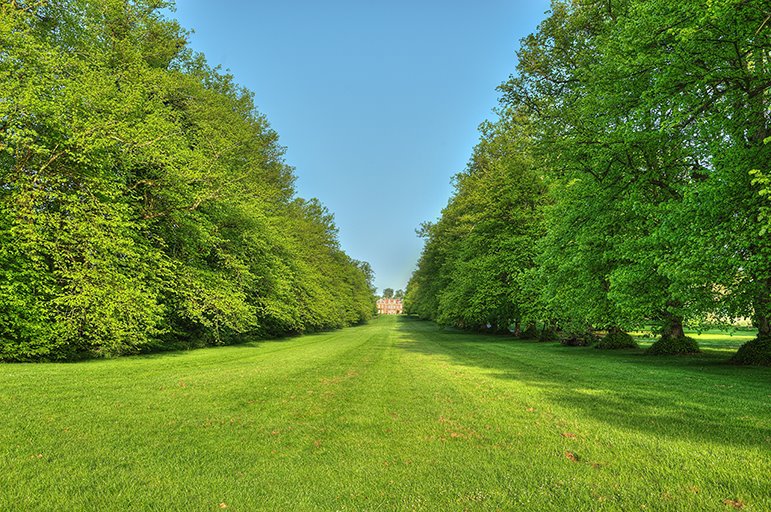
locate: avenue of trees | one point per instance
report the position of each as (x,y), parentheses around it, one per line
(144,202)
(625,183)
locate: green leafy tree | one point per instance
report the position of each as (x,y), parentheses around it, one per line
(657,111)
(474,270)
(143,200)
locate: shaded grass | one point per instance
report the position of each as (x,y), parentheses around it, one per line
(396,415)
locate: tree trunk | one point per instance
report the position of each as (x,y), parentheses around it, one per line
(517,328)
(764,328)
(673,326)
(762,307)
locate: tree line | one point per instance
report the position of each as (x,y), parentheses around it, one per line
(625,182)
(389,293)
(144,202)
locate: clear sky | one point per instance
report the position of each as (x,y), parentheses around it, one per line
(378,103)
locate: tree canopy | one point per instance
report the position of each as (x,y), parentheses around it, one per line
(144,202)
(638,130)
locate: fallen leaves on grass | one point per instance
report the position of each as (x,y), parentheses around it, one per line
(570,435)
(737,504)
(530,409)
(223,505)
(571,456)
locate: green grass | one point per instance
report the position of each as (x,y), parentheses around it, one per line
(396,415)
(724,341)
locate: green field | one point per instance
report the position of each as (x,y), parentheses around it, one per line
(395,415)
(714,340)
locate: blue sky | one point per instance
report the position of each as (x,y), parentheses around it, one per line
(378,103)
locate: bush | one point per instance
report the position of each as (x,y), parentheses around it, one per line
(616,340)
(757,352)
(668,345)
(579,340)
(548,334)
(530,333)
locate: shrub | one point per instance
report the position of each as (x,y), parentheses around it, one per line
(548,334)
(757,352)
(579,340)
(616,340)
(530,333)
(668,345)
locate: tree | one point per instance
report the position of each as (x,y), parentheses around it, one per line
(143,200)
(475,267)
(388,293)
(657,111)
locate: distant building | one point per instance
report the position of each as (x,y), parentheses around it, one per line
(389,307)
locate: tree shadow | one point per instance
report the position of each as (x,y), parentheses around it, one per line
(694,398)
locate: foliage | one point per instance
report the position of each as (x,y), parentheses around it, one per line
(582,339)
(530,332)
(616,340)
(474,269)
(143,200)
(674,345)
(646,123)
(757,351)
(549,333)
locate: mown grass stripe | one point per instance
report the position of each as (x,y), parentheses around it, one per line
(395,415)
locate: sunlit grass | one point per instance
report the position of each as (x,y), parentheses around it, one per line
(397,415)
(725,341)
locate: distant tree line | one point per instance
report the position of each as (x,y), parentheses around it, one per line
(144,202)
(389,293)
(625,183)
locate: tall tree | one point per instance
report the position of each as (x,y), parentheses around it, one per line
(143,200)
(477,258)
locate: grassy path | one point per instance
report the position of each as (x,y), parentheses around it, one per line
(396,415)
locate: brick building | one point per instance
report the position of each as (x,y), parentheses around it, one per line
(389,307)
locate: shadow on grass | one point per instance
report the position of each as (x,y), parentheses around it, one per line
(694,398)
(246,343)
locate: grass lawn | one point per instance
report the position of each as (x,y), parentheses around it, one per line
(716,340)
(395,415)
